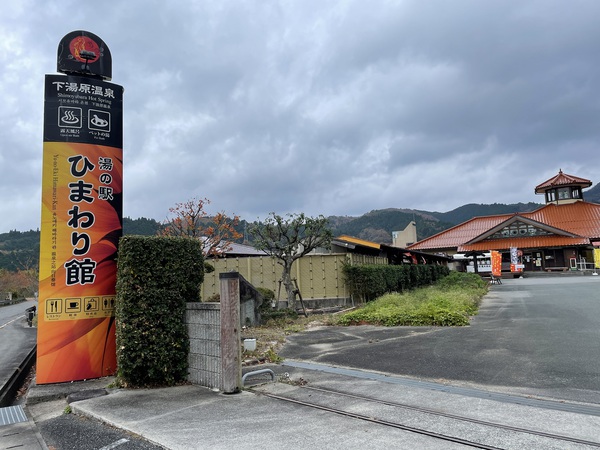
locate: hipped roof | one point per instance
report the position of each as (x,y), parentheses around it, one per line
(562,180)
(572,224)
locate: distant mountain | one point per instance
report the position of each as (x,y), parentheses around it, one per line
(377,225)
(20,250)
(592,195)
(141,226)
(466,212)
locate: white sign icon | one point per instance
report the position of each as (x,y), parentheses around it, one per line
(98,120)
(69,116)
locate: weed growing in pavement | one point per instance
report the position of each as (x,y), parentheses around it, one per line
(116,384)
(285,378)
(272,356)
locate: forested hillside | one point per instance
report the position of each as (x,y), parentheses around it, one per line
(141,226)
(592,195)
(466,212)
(377,226)
(20,250)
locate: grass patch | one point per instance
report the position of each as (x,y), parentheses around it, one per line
(449,302)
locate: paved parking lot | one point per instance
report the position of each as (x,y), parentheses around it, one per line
(537,336)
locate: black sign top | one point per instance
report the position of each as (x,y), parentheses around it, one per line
(83,110)
(83,53)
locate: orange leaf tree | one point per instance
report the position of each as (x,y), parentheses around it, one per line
(214,232)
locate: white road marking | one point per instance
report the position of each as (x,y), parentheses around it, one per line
(115,444)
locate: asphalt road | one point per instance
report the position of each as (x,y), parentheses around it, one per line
(60,431)
(73,432)
(16,339)
(537,336)
(10,312)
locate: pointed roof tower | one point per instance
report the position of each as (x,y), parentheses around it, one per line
(563,188)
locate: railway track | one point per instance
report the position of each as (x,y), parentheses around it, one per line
(436,424)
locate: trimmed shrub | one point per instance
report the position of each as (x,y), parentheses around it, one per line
(267,294)
(156,277)
(369,281)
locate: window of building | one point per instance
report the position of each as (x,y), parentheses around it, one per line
(564,193)
(518,228)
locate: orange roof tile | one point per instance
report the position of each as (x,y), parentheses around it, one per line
(460,234)
(524,242)
(562,179)
(358,241)
(580,218)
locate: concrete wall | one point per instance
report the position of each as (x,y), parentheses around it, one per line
(204,328)
(405,237)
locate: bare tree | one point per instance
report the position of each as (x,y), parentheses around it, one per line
(288,239)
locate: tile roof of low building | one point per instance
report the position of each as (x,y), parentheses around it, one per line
(243,250)
(460,234)
(581,219)
(524,242)
(357,241)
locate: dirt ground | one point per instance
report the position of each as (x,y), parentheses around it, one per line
(270,337)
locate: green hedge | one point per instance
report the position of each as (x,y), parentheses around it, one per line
(369,281)
(156,277)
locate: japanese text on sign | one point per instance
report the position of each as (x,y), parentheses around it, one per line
(81,271)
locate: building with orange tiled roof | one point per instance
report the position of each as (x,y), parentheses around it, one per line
(560,235)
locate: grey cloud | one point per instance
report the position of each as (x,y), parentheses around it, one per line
(321,107)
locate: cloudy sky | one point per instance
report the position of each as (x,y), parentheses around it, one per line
(333,108)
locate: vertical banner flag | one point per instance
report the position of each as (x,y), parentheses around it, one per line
(515,264)
(81,214)
(496,257)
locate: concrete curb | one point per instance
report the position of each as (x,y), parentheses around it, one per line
(9,390)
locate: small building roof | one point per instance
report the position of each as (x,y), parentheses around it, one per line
(341,240)
(236,249)
(561,180)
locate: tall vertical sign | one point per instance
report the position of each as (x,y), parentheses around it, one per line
(515,260)
(496,258)
(81,213)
